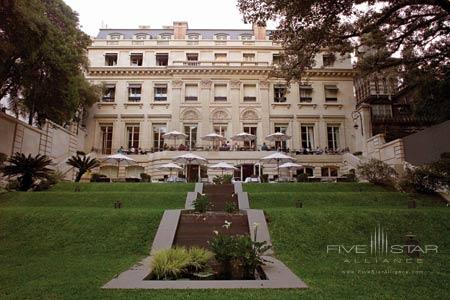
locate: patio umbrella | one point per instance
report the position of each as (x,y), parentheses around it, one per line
(243,137)
(212,137)
(170,167)
(290,166)
(277,158)
(174,135)
(189,159)
(278,137)
(223,166)
(118,158)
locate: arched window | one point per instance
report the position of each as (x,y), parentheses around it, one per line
(141,36)
(246,37)
(193,36)
(115,36)
(165,36)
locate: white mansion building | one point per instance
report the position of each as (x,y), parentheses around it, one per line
(201,81)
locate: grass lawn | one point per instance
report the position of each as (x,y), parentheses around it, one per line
(63,244)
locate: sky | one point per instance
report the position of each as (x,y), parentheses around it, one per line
(132,13)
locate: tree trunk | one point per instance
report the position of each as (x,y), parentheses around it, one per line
(79,175)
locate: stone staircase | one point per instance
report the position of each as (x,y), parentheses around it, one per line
(219,194)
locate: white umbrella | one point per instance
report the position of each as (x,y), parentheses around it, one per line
(278,137)
(189,159)
(118,158)
(244,137)
(223,166)
(277,158)
(290,166)
(174,135)
(212,137)
(170,167)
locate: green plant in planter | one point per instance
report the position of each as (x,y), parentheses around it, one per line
(176,263)
(249,254)
(302,177)
(230,207)
(223,246)
(226,179)
(201,204)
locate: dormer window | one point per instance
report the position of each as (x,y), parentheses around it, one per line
(165,36)
(246,37)
(221,36)
(141,36)
(115,36)
(193,36)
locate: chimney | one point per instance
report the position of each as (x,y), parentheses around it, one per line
(259,32)
(179,30)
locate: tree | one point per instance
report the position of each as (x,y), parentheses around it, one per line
(386,27)
(42,58)
(28,168)
(83,163)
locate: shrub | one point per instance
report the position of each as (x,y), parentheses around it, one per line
(83,163)
(28,169)
(377,172)
(201,203)
(176,263)
(224,179)
(132,179)
(425,180)
(3,158)
(145,177)
(230,207)
(302,177)
(264,178)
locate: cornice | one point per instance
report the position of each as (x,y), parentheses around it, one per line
(170,71)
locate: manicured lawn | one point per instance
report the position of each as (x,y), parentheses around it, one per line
(63,244)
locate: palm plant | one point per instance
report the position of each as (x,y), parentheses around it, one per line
(28,169)
(83,163)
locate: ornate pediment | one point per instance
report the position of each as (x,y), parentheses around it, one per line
(220,115)
(250,115)
(190,114)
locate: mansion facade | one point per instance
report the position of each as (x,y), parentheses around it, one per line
(202,81)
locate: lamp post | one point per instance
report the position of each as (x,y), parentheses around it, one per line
(357,115)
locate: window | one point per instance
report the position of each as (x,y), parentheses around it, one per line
(331,92)
(220,92)
(165,36)
(136,59)
(251,129)
(382,110)
(141,36)
(160,92)
(329,172)
(191,131)
(115,36)
(279,93)
(109,93)
(191,92)
(158,131)
(333,137)
(283,129)
(328,59)
(220,129)
(162,59)
(276,59)
(107,134)
(246,37)
(193,36)
(306,93)
(221,36)
(249,92)
(192,59)
(134,92)
(248,57)
(307,136)
(111,59)
(220,56)
(307,170)
(133,136)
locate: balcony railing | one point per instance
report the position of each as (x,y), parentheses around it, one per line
(220,63)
